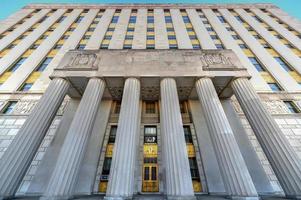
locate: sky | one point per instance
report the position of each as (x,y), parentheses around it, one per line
(7,7)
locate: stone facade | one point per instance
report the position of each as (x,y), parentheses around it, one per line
(93,99)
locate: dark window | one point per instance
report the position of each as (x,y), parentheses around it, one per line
(154,174)
(44,64)
(291,106)
(61,19)
(210,29)
(257,19)
(150,134)
(146,173)
(256,64)
(112,135)
(117,107)
(214,37)
(222,19)
(150,107)
(17,64)
(219,46)
(26,87)
(275,87)
(115,19)
(58,46)
(187,134)
(133,19)
(239,19)
(243,46)
(106,166)
(266,46)
(79,19)
(194,168)
(9,107)
(81,46)
(235,37)
(283,64)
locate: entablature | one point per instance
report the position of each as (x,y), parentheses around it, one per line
(150,66)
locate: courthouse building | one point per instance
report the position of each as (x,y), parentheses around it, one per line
(156,101)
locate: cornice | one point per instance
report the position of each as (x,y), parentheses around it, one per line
(137,6)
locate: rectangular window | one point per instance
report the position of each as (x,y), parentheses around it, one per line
(291,106)
(187,134)
(243,46)
(150,107)
(239,19)
(283,64)
(79,19)
(9,107)
(44,64)
(150,134)
(275,87)
(221,19)
(117,107)
(106,166)
(112,135)
(256,64)
(17,64)
(81,46)
(219,46)
(194,168)
(26,86)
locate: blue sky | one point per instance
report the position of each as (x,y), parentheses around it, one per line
(9,6)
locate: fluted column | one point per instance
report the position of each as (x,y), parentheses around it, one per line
(235,174)
(121,181)
(21,151)
(175,158)
(283,159)
(65,173)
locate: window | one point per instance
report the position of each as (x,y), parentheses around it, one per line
(17,64)
(65,37)
(26,87)
(117,107)
(194,168)
(283,64)
(183,107)
(209,29)
(258,19)
(61,19)
(239,19)
(132,19)
(115,19)
(81,46)
(150,107)
(229,29)
(106,166)
(235,37)
(9,107)
(219,46)
(112,135)
(150,134)
(44,64)
(34,46)
(187,134)
(221,19)
(266,46)
(91,29)
(256,64)
(58,46)
(275,87)
(257,37)
(214,37)
(243,46)
(291,107)
(79,19)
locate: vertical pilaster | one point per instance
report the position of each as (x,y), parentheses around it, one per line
(62,181)
(283,159)
(175,158)
(235,174)
(21,151)
(121,182)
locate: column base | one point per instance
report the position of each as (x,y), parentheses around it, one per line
(181,197)
(244,198)
(117,198)
(55,197)
(293,196)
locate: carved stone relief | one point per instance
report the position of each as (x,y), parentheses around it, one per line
(83,60)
